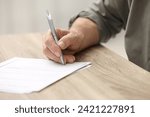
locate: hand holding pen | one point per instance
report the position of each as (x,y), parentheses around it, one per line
(82,34)
(66,45)
(54,34)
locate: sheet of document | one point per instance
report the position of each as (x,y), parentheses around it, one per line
(26,75)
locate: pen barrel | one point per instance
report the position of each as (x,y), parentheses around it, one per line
(54,34)
(53,31)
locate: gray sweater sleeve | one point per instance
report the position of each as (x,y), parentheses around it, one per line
(109,15)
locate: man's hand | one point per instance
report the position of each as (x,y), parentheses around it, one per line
(82,34)
(70,42)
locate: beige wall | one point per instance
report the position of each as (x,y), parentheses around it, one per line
(22,16)
(25,16)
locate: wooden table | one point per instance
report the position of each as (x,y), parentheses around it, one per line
(109,77)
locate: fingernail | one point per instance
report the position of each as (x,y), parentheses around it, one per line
(61,44)
(72,59)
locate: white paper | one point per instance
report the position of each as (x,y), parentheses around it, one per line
(26,75)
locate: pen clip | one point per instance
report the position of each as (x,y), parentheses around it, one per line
(48,15)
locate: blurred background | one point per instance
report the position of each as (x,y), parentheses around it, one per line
(29,16)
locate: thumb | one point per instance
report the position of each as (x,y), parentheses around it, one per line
(65,41)
(61,32)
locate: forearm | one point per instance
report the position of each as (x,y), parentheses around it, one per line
(87,30)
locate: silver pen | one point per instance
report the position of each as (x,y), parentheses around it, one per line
(54,34)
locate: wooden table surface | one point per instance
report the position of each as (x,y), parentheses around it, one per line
(109,77)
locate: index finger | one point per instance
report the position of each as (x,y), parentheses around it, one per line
(51,45)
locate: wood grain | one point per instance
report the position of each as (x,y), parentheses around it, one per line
(109,77)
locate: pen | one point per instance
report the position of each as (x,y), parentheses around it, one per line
(54,34)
